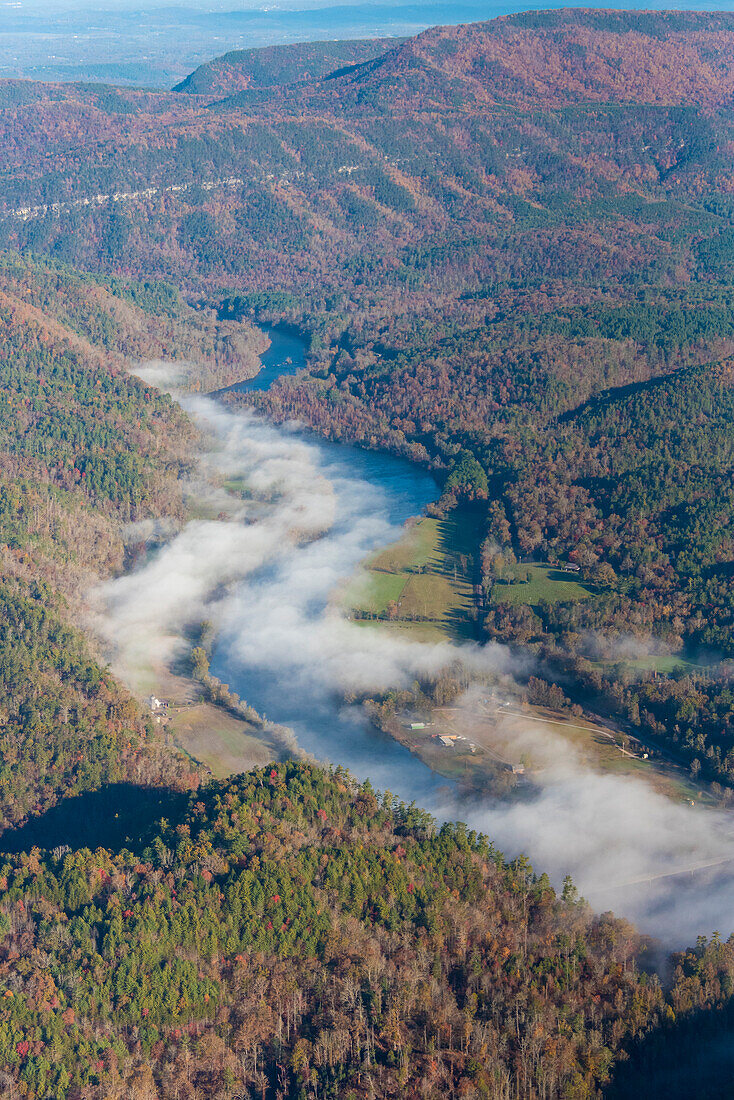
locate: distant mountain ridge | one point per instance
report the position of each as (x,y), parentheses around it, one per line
(271,66)
(545,60)
(550,59)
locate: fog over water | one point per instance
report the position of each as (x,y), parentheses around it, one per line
(265,577)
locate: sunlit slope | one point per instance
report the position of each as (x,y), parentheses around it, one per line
(550,60)
(255,895)
(273,66)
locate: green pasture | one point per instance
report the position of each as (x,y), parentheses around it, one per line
(428,574)
(374,591)
(665,664)
(547,583)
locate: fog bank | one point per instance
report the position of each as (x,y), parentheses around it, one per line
(626,846)
(262,563)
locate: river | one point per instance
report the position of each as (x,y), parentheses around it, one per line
(281,519)
(286,650)
(374,494)
(286,354)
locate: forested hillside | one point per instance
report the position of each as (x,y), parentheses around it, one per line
(86,452)
(511,249)
(272,66)
(553,59)
(294,935)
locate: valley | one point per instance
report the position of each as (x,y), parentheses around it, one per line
(366,556)
(481,731)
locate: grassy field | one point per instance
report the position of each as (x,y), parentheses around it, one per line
(413,551)
(428,575)
(430,596)
(414,632)
(664,664)
(602,753)
(237,486)
(224,743)
(375,591)
(501,730)
(546,583)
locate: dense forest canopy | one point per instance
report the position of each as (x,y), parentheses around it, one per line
(293,934)
(87,454)
(270,66)
(511,248)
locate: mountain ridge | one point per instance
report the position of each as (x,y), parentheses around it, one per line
(272,66)
(551,59)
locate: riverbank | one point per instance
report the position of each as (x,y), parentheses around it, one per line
(284,353)
(289,518)
(416,587)
(505,746)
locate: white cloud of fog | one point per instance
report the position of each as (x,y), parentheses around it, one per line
(264,577)
(621,647)
(146,611)
(309,530)
(621,841)
(149,530)
(161,373)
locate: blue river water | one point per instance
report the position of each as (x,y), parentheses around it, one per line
(286,355)
(288,653)
(370,487)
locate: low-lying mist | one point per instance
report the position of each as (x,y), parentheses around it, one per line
(284,521)
(627,847)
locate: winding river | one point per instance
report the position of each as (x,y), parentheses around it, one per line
(286,650)
(374,494)
(286,354)
(283,521)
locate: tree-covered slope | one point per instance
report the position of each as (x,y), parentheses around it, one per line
(289,933)
(87,451)
(272,66)
(555,59)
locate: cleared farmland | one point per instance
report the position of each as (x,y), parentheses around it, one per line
(423,583)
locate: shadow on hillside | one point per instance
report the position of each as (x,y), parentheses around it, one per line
(694,1058)
(120,815)
(459,535)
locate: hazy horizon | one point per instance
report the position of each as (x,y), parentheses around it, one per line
(157,44)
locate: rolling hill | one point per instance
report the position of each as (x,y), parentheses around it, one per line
(273,66)
(546,60)
(287,930)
